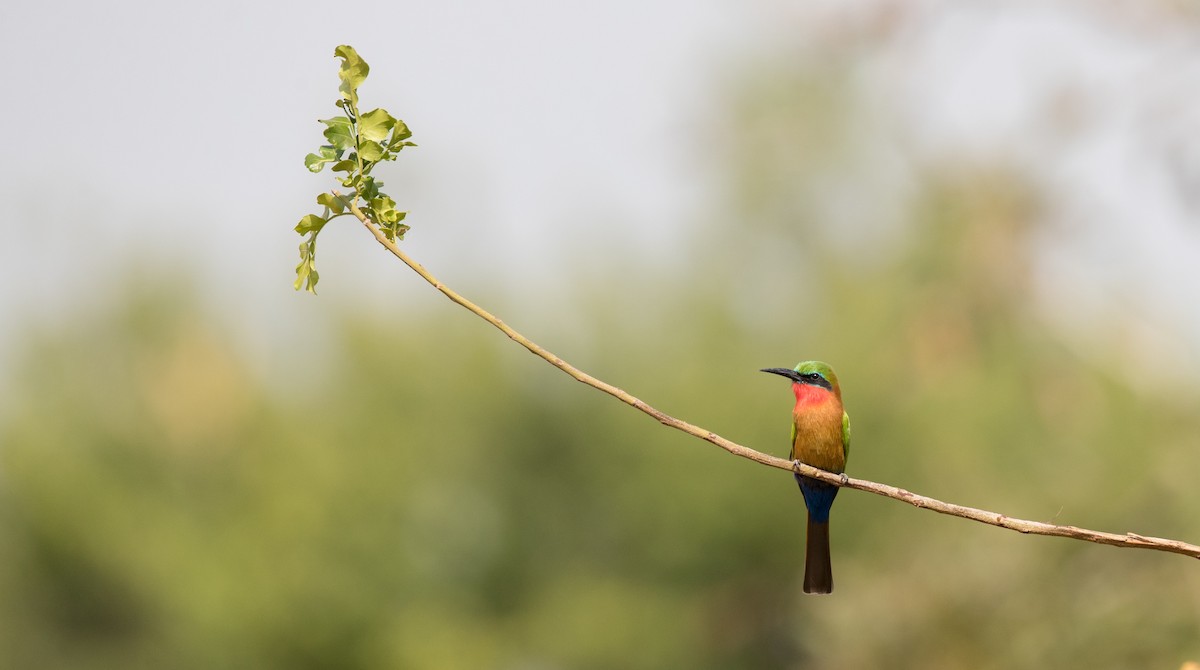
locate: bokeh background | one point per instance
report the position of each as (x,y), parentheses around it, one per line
(984,215)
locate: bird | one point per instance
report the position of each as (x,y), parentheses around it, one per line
(820,438)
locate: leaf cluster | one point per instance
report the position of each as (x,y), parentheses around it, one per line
(357,143)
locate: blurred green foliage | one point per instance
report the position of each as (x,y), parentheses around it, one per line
(450,502)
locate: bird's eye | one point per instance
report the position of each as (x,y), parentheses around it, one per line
(813,376)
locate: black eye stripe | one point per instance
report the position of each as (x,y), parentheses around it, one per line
(816,379)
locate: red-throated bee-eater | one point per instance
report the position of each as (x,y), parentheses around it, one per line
(820,438)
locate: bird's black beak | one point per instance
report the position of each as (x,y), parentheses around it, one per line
(785,372)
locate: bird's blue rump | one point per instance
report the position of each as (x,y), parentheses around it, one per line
(818,497)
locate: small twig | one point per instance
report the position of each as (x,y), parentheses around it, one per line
(1131,540)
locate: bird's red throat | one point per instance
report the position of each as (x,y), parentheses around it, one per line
(808,395)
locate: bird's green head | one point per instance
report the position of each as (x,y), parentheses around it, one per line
(813,373)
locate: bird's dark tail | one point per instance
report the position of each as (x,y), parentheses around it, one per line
(818,572)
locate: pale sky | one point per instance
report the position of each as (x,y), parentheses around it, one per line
(551,133)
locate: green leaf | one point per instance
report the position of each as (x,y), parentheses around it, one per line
(307,275)
(353,72)
(370,188)
(345,165)
(394,231)
(376,124)
(306,271)
(338,121)
(314,163)
(310,223)
(400,132)
(340,132)
(334,203)
(326,154)
(370,151)
(384,209)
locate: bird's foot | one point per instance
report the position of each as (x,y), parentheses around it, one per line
(845,479)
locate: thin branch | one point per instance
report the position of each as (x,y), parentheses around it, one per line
(1130,540)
